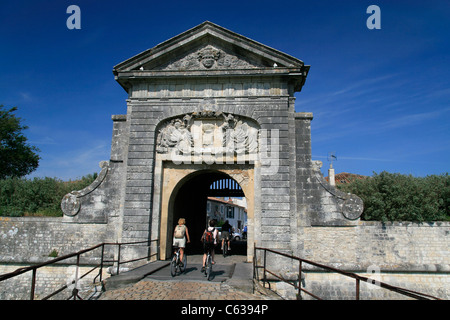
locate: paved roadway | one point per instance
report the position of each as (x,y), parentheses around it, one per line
(231,280)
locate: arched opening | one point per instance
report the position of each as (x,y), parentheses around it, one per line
(189,200)
(182,191)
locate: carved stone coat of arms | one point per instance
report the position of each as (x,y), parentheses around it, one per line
(208,132)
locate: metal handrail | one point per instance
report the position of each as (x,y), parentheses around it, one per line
(77,254)
(358,278)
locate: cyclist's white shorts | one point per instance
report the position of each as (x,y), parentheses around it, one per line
(180,243)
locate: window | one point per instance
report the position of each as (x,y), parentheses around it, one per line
(230,212)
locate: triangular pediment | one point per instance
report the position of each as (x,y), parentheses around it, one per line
(207,57)
(208,47)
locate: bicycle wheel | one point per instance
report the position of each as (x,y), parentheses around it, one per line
(183,268)
(225,249)
(208,270)
(173,266)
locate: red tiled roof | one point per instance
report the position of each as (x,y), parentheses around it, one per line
(345,177)
(229,201)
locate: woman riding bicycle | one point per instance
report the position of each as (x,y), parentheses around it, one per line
(179,237)
(208,246)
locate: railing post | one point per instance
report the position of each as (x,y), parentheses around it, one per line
(33,284)
(357,289)
(118,260)
(149,250)
(299,296)
(264,266)
(101,261)
(75,289)
(254,263)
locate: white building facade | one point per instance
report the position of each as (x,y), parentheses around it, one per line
(232,209)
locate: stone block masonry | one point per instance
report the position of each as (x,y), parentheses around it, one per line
(409,255)
(330,286)
(27,240)
(392,246)
(48,280)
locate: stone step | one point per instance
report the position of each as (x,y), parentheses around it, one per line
(134,275)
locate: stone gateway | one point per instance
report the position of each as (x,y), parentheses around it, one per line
(206,105)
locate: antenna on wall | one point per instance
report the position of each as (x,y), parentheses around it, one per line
(331,157)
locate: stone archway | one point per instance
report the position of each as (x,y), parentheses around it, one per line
(183,191)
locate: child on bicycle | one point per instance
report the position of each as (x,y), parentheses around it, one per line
(208,246)
(179,237)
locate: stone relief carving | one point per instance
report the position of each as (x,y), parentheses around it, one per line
(71,204)
(351,205)
(176,135)
(209,57)
(211,131)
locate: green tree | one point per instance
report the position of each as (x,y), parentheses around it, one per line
(17,157)
(396,197)
(37,196)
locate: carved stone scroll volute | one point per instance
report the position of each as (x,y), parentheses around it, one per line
(71,203)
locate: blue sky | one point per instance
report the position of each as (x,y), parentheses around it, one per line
(380,98)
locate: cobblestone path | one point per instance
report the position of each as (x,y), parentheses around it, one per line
(150,289)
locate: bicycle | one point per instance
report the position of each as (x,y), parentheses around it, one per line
(225,246)
(208,265)
(175,266)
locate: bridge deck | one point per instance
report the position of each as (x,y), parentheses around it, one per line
(233,269)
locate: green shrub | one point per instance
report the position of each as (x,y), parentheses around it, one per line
(397,197)
(37,196)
